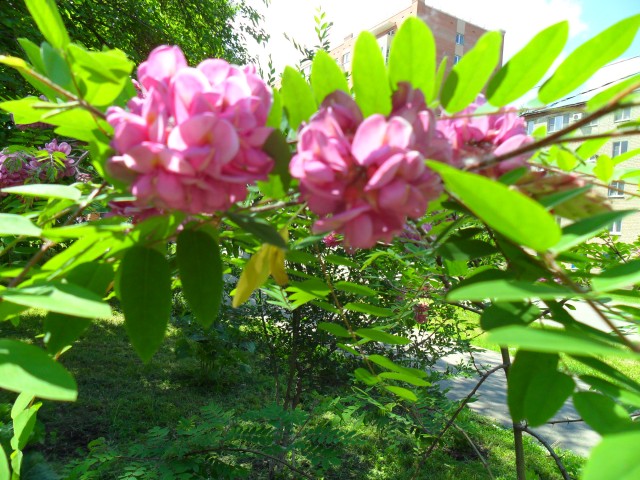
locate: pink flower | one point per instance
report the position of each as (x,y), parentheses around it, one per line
(364,178)
(194,140)
(331,240)
(474,137)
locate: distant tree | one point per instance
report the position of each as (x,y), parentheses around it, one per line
(203,29)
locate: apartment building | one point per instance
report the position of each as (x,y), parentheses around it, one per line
(619,191)
(454,36)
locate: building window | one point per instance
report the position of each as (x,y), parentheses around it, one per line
(346,60)
(616,189)
(622,115)
(619,148)
(616,228)
(459,39)
(456,59)
(557,123)
(593,123)
(531,126)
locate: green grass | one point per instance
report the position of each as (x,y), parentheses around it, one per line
(120,398)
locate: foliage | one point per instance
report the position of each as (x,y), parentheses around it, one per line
(172,167)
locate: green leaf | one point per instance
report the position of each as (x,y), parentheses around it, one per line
(601,413)
(49,22)
(509,212)
(502,314)
(437,84)
(402,393)
(508,291)
(403,377)
(5,473)
(334,329)
(275,114)
(23,110)
(622,275)
(604,168)
(260,228)
(369,309)
(527,67)
(11,224)
(558,198)
(588,58)
(609,371)
(462,249)
(467,79)
(200,270)
(546,394)
(388,364)
(370,81)
(56,68)
(413,57)
(43,190)
(622,394)
(297,98)
(145,295)
(25,368)
(603,98)
(326,76)
(61,298)
(351,287)
(526,366)
(365,376)
(615,458)
(23,426)
(582,230)
(554,341)
(382,336)
(277,148)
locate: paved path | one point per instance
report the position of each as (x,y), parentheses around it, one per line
(492,402)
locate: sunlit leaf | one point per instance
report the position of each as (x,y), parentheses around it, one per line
(297,98)
(49,22)
(11,224)
(615,458)
(370,81)
(382,336)
(326,76)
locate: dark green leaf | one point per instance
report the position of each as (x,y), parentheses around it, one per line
(460,249)
(601,413)
(144,290)
(525,69)
(388,364)
(467,79)
(382,336)
(326,76)
(503,314)
(334,329)
(582,230)
(588,58)
(369,309)
(526,366)
(615,458)
(297,98)
(25,368)
(622,394)
(11,224)
(403,377)
(49,22)
(260,228)
(370,81)
(277,148)
(609,371)
(200,270)
(511,213)
(413,57)
(546,394)
(351,287)
(56,68)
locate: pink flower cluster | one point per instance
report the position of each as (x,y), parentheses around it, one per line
(192,140)
(473,137)
(21,167)
(364,177)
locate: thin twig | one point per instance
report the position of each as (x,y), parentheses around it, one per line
(550,449)
(464,402)
(475,449)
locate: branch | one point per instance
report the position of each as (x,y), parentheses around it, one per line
(454,416)
(550,449)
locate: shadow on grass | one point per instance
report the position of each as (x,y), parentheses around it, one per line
(120,397)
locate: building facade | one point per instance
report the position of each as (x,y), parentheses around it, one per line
(619,192)
(453,36)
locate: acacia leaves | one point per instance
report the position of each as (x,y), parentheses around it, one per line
(370,80)
(200,269)
(509,212)
(144,289)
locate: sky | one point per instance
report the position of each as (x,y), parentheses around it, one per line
(521,20)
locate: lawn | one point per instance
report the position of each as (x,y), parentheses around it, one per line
(121,399)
